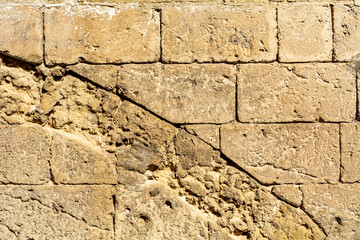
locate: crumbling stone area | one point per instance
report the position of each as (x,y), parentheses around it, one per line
(179,120)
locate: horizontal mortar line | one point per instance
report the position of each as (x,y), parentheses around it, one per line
(312,183)
(296,122)
(62,184)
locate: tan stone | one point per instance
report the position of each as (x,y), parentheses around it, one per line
(21,33)
(284,153)
(305,33)
(155,212)
(219,34)
(288,193)
(101,34)
(76,161)
(58,212)
(196,93)
(24,154)
(346,34)
(335,208)
(296,92)
(209,133)
(350,152)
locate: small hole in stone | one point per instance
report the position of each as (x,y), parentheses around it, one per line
(244,135)
(168,203)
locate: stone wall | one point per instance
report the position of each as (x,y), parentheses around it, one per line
(179,120)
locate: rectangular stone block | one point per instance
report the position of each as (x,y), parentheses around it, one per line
(21,34)
(284,153)
(101,34)
(346,32)
(179,93)
(350,152)
(24,154)
(76,161)
(219,34)
(335,208)
(52,212)
(305,33)
(296,92)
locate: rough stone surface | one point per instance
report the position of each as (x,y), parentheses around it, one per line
(346,32)
(77,161)
(335,208)
(214,34)
(24,154)
(57,212)
(101,34)
(289,193)
(21,34)
(209,133)
(296,92)
(305,33)
(106,150)
(350,152)
(284,153)
(179,93)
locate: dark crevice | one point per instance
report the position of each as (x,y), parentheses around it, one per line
(340,153)
(277,34)
(332,33)
(161,33)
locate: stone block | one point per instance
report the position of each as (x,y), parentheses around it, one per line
(305,33)
(284,153)
(101,34)
(219,34)
(21,34)
(296,92)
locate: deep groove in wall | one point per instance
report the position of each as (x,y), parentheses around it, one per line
(236,98)
(277,34)
(340,153)
(43,39)
(161,34)
(332,32)
(114,216)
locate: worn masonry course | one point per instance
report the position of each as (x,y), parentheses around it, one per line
(192,119)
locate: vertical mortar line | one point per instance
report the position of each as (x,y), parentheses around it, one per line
(356,95)
(277,33)
(52,179)
(43,32)
(114,215)
(341,166)
(332,32)
(236,95)
(161,33)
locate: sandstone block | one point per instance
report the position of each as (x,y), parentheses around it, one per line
(21,34)
(219,34)
(335,208)
(288,193)
(24,154)
(284,153)
(346,34)
(296,92)
(196,93)
(76,161)
(305,33)
(58,212)
(101,34)
(350,152)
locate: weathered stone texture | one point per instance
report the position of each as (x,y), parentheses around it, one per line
(209,133)
(305,33)
(289,193)
(179,93)
(58,212)
(346,32)
(284,153)
(335,208)
(101,34)
(24,154)
(219,34)
(296,92)
(21,34)
(77,161)
(350,152)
